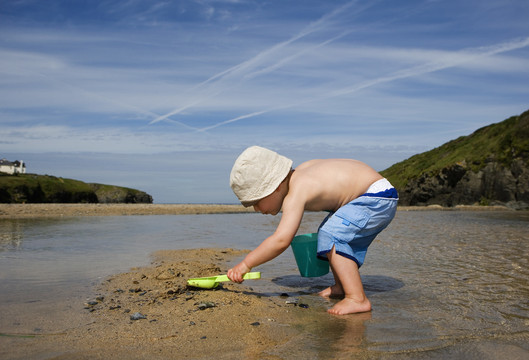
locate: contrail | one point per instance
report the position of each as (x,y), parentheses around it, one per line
(455,59)
(257,59)
(288,59)
(237,119)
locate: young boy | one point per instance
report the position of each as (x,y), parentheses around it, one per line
(360,201)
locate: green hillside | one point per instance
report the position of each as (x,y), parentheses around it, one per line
(33,188)
(501,142)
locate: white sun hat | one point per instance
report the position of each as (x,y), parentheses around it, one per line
(257,172)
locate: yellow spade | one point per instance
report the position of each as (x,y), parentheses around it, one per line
(213,281)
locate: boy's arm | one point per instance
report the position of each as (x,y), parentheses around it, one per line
(275,244)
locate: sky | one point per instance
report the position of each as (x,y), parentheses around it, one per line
(162,96)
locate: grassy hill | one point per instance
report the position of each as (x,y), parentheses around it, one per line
(501,142)
(33,188)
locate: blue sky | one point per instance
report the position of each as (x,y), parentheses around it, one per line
(163,95)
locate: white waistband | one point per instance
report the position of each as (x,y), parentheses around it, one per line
(378,186)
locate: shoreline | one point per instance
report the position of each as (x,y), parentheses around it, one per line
(14,211)
(65,210)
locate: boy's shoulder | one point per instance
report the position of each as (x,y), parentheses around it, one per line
(309,163)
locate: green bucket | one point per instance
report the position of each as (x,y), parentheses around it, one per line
(305,248)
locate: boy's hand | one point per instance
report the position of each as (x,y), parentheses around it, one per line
(237,272)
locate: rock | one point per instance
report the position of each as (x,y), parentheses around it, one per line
(494,184)
(487,167)
(137,316)
(206,305)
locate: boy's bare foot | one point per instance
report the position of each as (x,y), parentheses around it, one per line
(332,291)
(350,306)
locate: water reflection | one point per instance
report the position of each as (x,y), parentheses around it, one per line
(351,339)
(304,285)
(10,235)
(466,276)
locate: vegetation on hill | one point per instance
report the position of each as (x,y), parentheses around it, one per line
(501,142)
(32,188)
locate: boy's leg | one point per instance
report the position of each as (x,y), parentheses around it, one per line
(346,272)
(335,291)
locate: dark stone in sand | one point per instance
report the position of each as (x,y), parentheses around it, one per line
(206,305)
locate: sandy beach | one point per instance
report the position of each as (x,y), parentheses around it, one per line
(13,211)
(150,313)
(52,210)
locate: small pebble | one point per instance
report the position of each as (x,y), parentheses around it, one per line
(206,305)
(257,323)
(192,323)
(137,316)
(304,306)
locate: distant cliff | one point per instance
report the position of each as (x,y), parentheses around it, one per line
(488,167)
(32,188)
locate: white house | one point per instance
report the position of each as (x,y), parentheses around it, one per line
(15,167)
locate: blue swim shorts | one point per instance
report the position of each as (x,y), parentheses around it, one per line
(353,227)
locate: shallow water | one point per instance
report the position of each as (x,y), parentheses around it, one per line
(442,283)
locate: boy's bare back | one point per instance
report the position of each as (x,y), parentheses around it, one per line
(327,185)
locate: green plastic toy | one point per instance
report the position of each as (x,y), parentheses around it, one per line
(213,281)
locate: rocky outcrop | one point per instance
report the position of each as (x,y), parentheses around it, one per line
(113,194)
(494,184)
(488,167)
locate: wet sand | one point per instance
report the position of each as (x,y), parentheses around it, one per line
(13,211)
(175,322)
